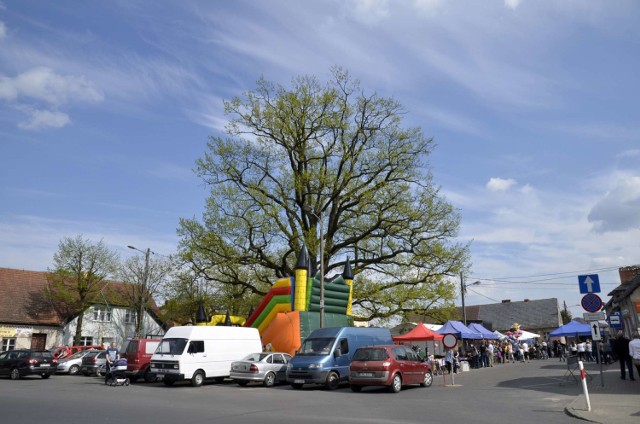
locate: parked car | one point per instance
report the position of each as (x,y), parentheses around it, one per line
(391,366)
(138,353)
(92,362)
(65,351)
(20,363)
(268,368)
(71,364)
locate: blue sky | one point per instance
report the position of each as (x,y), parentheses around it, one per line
(533,105)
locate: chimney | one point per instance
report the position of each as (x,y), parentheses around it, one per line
(526,300)
(628,272)
(506,301)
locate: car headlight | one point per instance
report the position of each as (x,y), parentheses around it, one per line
(289,366)
(314,366)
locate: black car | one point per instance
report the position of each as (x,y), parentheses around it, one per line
(20,363)
(92,362)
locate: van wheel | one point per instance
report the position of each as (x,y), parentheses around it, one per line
(333,380)
(297,386)
(15,374)
(197,379)
(73,370)
(150,377)
(396,384)
(355,388)
(428,379)
(168,382)
(269,379)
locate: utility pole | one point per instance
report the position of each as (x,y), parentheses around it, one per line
(321,272)
(464,310)
(145,277)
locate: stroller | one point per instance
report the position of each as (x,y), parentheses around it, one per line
(116,376)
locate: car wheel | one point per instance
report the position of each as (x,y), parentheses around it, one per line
(355,388)
(269,379)
(45,376)
(333,380)
(428,379)
(242,382)
(197,379)
(15,374)
(85,373)
(168,382)
(297,386)
(396,384)
(73,370)
(149,377)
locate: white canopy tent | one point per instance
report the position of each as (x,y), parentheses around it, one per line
(526,335)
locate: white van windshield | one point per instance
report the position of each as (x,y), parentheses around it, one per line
(171,346)
(317,346)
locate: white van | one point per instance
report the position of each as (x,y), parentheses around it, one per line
(198,352)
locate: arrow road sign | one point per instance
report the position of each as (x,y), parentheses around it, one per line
(589,283)
(595,332)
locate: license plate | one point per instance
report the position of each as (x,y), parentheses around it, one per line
(365,374)
(44,365)
(298,381)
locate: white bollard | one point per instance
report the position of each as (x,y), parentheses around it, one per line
(584,384)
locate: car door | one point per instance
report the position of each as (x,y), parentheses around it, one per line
(414,369)
(279,366)
(4,362)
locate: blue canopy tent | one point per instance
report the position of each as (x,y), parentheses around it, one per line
(486,334)
(572,329)
(459,330)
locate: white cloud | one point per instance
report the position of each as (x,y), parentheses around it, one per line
(44,118)
(368,11)
(512,4)
(3,31)
(500,184)
(628,153)
(619,210)
(44,84)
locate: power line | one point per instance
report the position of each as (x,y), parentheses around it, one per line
(564,272)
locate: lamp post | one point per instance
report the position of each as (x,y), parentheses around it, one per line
(319,218)
(145,276)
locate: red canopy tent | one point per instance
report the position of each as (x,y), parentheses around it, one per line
(419,333)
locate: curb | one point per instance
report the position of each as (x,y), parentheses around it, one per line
(572,411)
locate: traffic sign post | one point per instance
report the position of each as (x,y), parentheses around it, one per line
(450,341)
(595,331)
(591,302)
(589,283)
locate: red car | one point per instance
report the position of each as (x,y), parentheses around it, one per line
(138,354)
(66,351)
(391,366)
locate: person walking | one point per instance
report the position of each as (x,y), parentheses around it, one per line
(581,351)
(621,348)
(588,350)
(113,354)
(634,350)
(490,353)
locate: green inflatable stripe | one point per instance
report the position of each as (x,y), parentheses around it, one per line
(330,294)
(328,308)
(342,288)
(285,298)
(315,300)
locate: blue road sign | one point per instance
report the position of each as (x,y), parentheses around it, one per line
(615,320)
(591,302)
(589,283)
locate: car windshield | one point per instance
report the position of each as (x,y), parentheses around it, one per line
(76,355)
(369,354)
(255,357)
(316,346)
(171,346)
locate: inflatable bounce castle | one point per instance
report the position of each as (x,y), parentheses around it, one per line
(290,311)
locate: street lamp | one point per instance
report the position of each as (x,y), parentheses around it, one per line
(319,218)
(145,277)
(463,290)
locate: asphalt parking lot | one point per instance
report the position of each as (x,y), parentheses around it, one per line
(530,393)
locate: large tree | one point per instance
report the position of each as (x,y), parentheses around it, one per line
(79,273)
(146,277)
(325,155)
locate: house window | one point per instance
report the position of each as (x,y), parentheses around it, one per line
(86,341)
(101,314)
(129,316)
(8,343)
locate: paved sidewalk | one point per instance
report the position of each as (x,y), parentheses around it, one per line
(617,402)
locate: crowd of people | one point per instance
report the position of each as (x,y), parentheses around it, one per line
(486,353)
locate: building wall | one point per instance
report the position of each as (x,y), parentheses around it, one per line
(103,330)
(20,336)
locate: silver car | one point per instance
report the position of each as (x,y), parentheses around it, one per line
(266,367)
(71,364)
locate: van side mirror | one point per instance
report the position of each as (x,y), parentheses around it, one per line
(337,353)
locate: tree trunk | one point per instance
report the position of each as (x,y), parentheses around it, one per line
(76,338)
